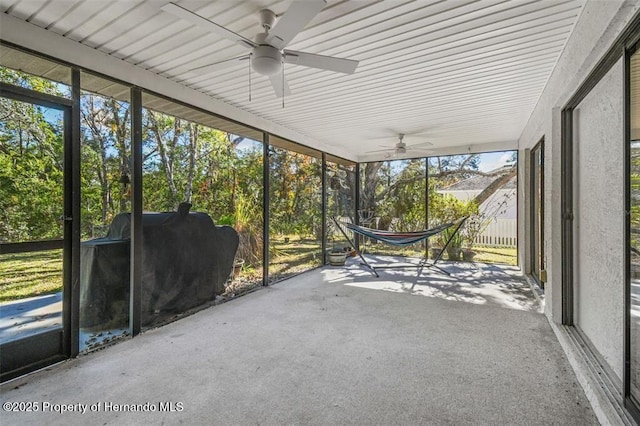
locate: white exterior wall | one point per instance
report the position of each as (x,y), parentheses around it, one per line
(597,28)
(598,217)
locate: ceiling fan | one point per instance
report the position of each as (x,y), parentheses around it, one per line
(402,148)
(268,53)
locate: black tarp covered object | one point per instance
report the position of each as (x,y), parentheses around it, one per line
(186,261)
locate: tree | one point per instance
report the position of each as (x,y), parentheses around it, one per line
(31,165)
(501,179)
(394,190)
(165,132)
(105,138)
(295,187)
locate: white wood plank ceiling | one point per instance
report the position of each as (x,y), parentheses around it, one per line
(456,72)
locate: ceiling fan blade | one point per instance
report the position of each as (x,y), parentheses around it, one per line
(389,138)
(216,66)
(379,150)
(206,24)
(416,132)
(276,82)
(299,14)
(330,63)
(424,151)
(421,144)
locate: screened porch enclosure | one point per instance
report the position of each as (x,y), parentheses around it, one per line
(162,192)
(142,155)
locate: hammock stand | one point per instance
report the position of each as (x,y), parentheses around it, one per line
(401,239)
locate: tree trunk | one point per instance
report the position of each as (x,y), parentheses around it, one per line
(121,144)
(165,155)
(103,177)
(93,121)
(233,144)
(368,189)
(193,157)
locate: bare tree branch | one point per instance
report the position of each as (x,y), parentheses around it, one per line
(494,186)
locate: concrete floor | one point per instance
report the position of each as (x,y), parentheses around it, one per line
(332,346)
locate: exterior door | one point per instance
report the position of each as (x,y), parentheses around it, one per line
(35,232)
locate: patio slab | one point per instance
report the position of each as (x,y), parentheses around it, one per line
(332,346)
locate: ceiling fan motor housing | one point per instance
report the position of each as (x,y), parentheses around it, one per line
(401,147)
(267,19)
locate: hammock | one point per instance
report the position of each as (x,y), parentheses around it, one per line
(401,239)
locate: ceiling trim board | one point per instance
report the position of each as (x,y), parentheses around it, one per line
(454,150)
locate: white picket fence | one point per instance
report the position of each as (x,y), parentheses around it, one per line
(499,233)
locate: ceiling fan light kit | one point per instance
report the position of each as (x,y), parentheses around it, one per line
(268,53)
(266,60)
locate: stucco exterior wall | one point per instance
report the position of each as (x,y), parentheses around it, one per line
(598,217)
(597,28)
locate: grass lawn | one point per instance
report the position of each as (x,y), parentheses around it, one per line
(30,274)
(293,256)
(506,256)
(499,255)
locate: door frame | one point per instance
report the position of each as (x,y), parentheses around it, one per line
(620,49)
(631,403)
(536,257)
(56,345)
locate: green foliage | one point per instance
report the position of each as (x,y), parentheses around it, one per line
(445,208)
(219,173)
(395,192)
(32,82)
(31,172)
(226,219)
(295,193)
(105,158)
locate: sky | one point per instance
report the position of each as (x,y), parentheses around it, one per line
(493,160)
